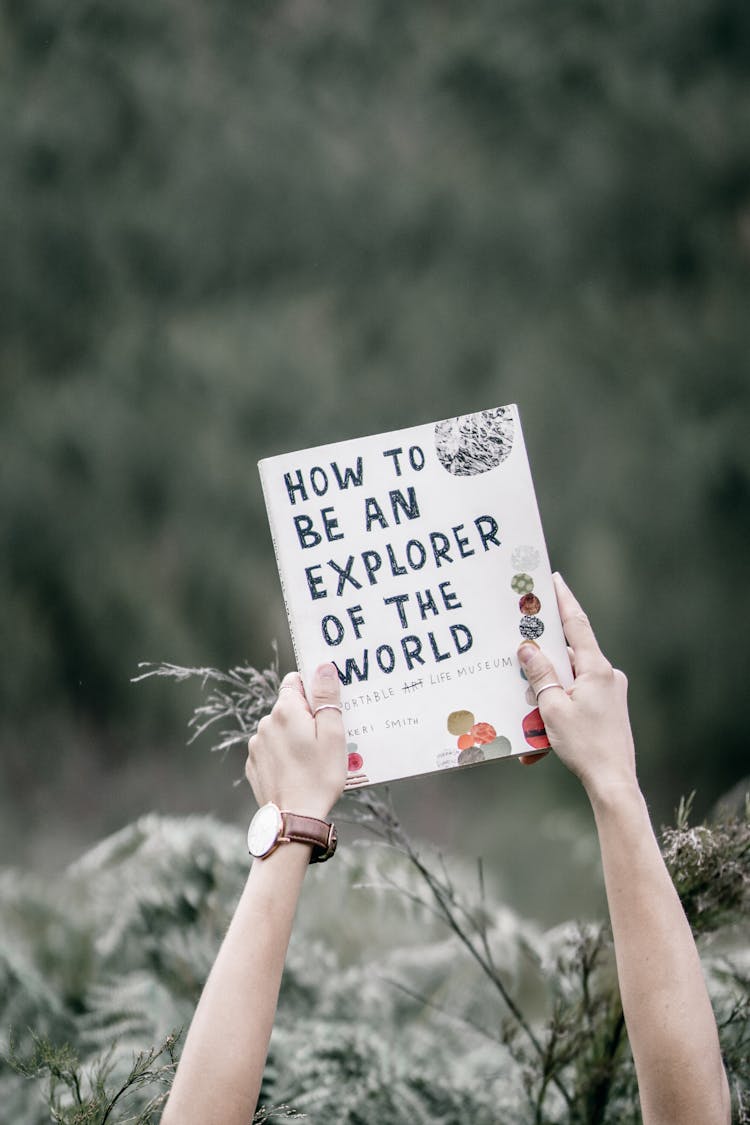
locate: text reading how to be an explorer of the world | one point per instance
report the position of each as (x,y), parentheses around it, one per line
(339,577)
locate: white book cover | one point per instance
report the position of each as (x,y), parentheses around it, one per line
(415,561)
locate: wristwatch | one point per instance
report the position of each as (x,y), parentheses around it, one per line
(271,827)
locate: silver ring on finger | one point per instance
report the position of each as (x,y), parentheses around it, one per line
(546,687)
(329,707)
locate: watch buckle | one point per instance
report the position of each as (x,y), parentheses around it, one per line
(330,847)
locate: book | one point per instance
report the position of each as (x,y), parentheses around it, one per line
(415,561)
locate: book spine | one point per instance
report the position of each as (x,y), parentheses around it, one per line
(279,565)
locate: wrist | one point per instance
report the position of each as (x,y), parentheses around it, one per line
(609,795)
(273,827)
(319,809)
(286,855)
(302,802)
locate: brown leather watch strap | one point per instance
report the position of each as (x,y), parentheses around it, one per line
(310,830)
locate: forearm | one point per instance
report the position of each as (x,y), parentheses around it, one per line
(668,1013)
(221,1067)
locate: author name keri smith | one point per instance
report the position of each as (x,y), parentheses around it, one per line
(390,724)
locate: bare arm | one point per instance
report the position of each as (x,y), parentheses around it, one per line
(671,1025)
(298,762)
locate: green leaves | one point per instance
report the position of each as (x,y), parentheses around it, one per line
(229,232)
(78,1095)
(428,1001)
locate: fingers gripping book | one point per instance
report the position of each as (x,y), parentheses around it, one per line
(415,561)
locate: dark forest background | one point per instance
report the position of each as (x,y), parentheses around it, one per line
(236,229)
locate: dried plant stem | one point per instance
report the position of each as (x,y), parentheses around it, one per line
(379,816)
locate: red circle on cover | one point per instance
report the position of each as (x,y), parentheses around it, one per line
(483,732)
(534,732)
(355,762)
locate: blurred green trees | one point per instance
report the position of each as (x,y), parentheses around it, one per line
(237,229)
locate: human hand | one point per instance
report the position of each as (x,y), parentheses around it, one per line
(588,726)
(295,759)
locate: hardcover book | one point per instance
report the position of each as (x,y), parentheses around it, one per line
(415,561)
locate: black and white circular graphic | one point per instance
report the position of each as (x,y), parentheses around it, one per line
(531,627)
(474,443)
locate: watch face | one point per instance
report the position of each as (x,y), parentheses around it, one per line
(264,830)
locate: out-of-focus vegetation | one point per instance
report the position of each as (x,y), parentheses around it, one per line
(234,229)
(452,1009)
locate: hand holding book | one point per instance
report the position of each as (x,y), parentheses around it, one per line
(587,726)
(414,561)
(667,1010)
(297,759)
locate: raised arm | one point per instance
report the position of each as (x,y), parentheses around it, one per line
(668,1013)
(298,761)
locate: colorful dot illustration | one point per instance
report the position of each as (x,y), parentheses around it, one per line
(529,604)
(459,722)
(534,732)
(471,736)
(500,747)
(522,583)
(530,628)
(525,558)
(471,756)
(355,767)
(483,733)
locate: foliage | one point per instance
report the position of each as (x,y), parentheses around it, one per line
(79,1095)
(444,1007)
(710,867)
(236,229)
(240,696)
(497,1021)
(76,1098)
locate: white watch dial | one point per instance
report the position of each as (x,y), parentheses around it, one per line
(264,830)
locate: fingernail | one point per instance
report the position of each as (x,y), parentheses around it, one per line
(527,651)
(328,671)
(559,578)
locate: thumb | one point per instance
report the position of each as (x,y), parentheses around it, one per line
(538,668)
(326,699)
(541,674)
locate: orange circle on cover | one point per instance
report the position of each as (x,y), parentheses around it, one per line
(465,741)
(483,732)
